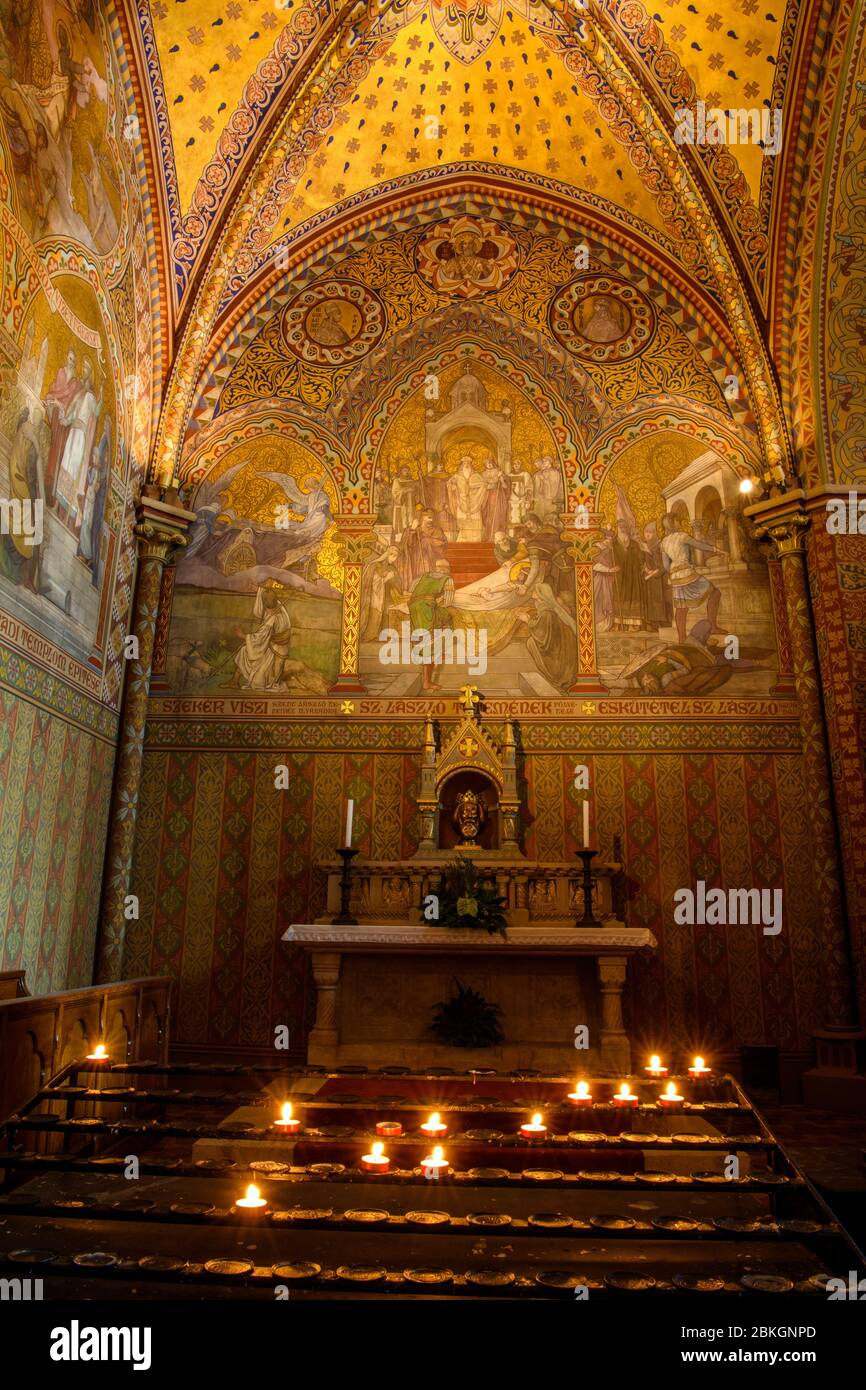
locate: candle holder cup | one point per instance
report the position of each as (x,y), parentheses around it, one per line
(588,919)
(344,918)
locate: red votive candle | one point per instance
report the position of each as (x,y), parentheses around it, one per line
(434,1128)
(389,1129)
(669,1099)
(699,1071)
(581,1095)
(286,1124)
(376,1161)
(624,1097)
(535,1129)
(655,1068)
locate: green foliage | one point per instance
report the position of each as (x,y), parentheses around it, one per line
(467,1020)
(468,899)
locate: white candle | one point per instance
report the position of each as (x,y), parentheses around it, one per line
(435,1165)
(586,825)
(252,1202)
(350,816)
(99,1054)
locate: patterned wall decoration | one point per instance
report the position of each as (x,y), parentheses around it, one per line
(222,867)
(55,779)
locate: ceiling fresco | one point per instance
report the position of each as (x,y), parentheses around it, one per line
(282,133)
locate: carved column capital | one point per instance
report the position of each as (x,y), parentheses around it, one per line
(783,523)
(159,528)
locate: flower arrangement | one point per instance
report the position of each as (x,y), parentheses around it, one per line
(468,898)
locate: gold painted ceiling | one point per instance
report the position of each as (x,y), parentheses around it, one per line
(277,126)
(220,78)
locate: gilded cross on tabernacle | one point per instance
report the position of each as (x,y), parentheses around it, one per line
(469,698)
(468,746)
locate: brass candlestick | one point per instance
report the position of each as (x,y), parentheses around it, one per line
(588,919)
(344,917)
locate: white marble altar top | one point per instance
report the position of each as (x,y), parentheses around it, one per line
(615,939)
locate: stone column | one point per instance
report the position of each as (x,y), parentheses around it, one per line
(357,541)
(583,542)
(784,523)
(615,1047)
(159,528)
(325,1038)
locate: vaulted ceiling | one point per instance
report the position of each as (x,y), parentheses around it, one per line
(279,130)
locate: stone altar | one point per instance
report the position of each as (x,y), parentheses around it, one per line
(379,979)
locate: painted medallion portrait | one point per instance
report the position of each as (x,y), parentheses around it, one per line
(333,322)
(467,257)
(600,319)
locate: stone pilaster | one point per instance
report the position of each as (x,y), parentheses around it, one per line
(784,522)
(160,527)
(357,541)
(583,542)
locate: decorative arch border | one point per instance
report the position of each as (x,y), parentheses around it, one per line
(229,432)
(714,434)
(476,332)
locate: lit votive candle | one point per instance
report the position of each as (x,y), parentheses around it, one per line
(99,1054)
(252,1204)
(376,1161)
(669,1099)
(655,1067)
(287,1124)
(535,1129)
(581,1095)
(434,1128)
(624,1096)
(389,1129)
(699,1070)
(435,1165)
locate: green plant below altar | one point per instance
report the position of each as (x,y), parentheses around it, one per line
(467,1019)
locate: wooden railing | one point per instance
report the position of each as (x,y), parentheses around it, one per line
(40,1034)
